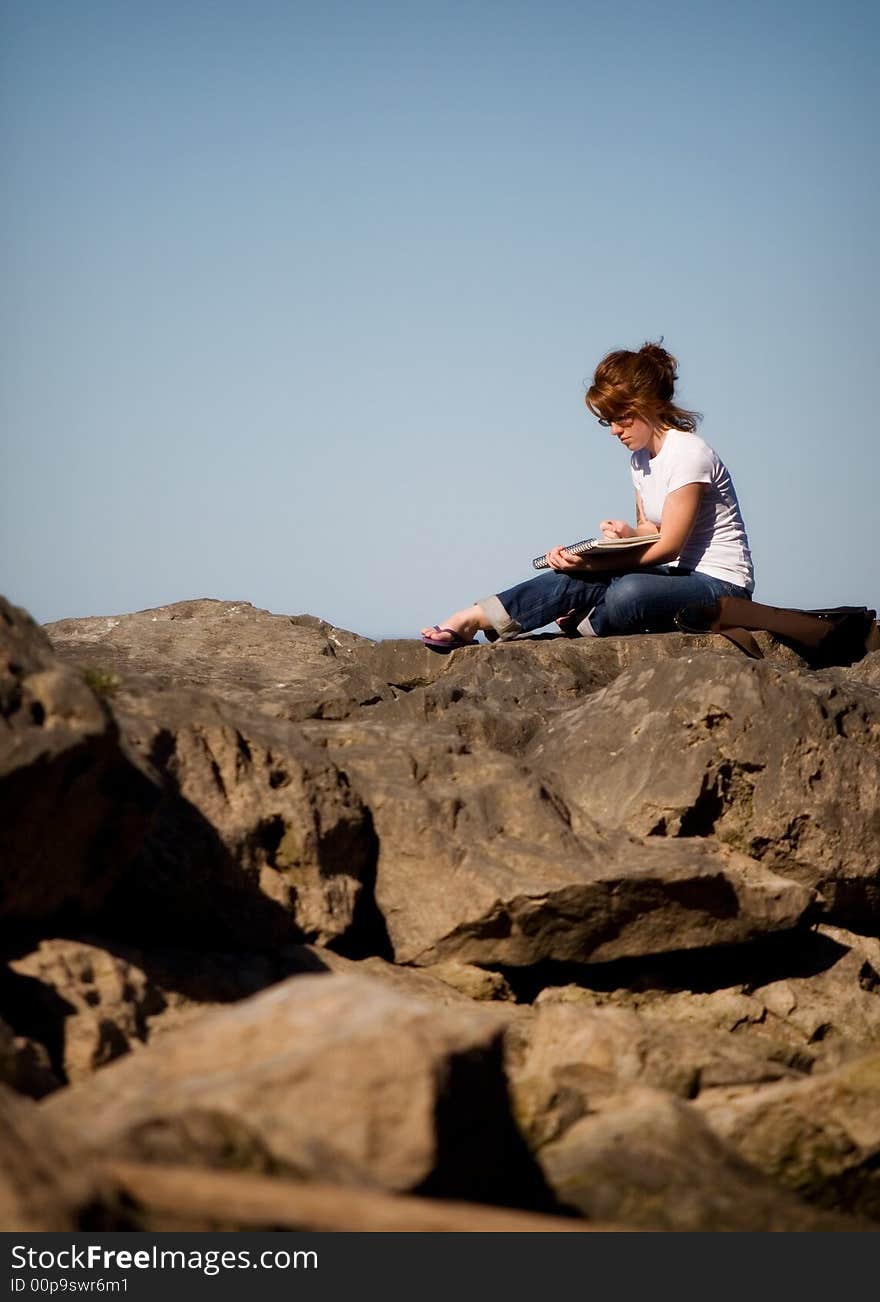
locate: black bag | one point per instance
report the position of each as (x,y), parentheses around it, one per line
(839,636)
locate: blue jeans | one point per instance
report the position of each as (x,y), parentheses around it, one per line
(645,601)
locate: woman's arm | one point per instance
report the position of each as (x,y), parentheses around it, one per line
(678,519)
(620,529)
(644,527)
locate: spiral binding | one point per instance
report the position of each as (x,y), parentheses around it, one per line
(587,545)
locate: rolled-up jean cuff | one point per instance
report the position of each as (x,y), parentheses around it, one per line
(498,617)
(585,628)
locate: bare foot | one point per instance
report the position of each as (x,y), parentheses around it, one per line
(464,623)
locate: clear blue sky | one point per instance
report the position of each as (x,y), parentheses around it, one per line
(301,298)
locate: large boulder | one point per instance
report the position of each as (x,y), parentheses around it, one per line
(84,1004)
(24,1064)
(289,666)
(77,1004)
(498,696)
(258,837)
(648,1160)
(74,804)
(300,667)
(331,1077)
(44,1185)
(810,1000)
(177,1199)
(490,697)
(819,1137)
(835,1009)
(780,764)
(566,1057)
(479,863)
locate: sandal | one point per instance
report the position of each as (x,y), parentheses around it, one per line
(456,641)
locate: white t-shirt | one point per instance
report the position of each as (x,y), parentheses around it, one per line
(717,544)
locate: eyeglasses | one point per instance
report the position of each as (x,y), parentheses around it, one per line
(623,421)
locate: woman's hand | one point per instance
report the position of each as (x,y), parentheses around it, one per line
(559,559)
(616,529)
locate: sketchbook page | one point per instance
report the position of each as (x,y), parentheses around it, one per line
(621,544)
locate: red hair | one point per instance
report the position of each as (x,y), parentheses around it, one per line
(639,384)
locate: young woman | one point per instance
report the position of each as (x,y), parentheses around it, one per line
(685,499)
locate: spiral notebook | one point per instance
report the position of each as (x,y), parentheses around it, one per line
(599,545)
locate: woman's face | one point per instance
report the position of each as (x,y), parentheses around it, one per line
(633,432)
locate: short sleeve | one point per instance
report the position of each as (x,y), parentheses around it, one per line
(694,464)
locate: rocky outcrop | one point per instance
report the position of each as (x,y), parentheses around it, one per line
(330,929)
(24,1064)
(79,1003)
(44,1186)
(289,667)
(809,1001)
(258,837)
(646,1158)
(569,1058)
(819,1137)
(479,862)
(332,1077)
(74,806)
(782,765)
(86,1004)
(178,1199)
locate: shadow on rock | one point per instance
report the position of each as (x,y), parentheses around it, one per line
(798,953)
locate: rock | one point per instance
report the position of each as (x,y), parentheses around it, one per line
(836,1011)
(495,696)
(42,1188)
(809,1001)
(288,666)
(819,1137)
(445,983)
(567,1057)
(475,982)
(783,765)
(335,1078)
(24,1064)
(865,671)
(478,864)
(258,838)
(90,1004)
(43,1184)
(498,696)
(630,831)
(169,1198)
(300,667)
(74,808)
(649,1161)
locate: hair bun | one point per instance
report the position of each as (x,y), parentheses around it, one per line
(664,362)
